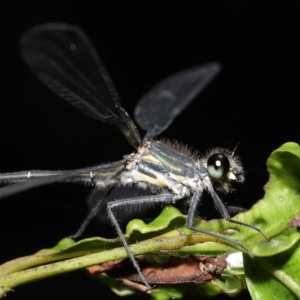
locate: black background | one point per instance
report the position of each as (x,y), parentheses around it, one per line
(254,101)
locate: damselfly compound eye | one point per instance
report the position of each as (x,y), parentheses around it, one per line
(218,166)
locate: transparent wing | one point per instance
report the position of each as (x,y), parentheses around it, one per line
(159,107)
(64,59)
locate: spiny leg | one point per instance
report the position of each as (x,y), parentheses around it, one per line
(161,198)
(92,214)
(224,213)
(189,224)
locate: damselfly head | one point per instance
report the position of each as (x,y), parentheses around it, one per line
(223,168)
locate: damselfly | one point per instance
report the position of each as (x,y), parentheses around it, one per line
(64,59)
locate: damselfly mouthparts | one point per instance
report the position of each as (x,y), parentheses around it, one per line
(63,58)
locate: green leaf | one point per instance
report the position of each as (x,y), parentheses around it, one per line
(275,277)
(276,273)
